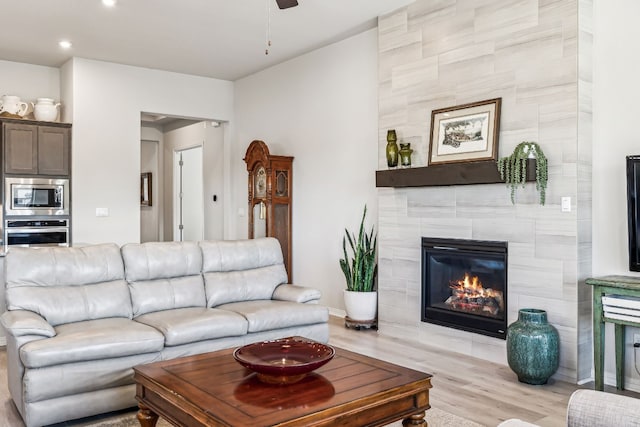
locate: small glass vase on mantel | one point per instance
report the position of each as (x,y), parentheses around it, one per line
(392,149)
(405,154)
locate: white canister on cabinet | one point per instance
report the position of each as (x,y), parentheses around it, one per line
(45,110)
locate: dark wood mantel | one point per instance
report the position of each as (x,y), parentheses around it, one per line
(485,172)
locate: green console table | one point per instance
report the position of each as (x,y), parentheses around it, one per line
(616,299)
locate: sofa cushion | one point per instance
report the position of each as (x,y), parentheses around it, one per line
(234,255)
(164,275)
(67,304)
(161,260)
(264,315)
(68,284)
(241,270)
(165,294)
(82,377)
(234,286)
(61,266)
(187,325)
(92,340)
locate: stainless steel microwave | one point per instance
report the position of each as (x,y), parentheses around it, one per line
(36,196)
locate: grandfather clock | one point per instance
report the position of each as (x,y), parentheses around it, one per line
(270,197)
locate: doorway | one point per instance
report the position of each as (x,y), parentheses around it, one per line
(173,135)
(188,195)
(150,229)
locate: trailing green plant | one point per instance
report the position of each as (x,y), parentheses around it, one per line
(513,169)
(360,269)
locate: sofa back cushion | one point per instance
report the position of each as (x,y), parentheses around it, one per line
(241,270)
(164,275)
(66,285)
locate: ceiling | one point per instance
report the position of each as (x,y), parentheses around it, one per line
(223,39)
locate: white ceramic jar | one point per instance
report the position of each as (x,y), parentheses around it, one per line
(12,104)
(45,110)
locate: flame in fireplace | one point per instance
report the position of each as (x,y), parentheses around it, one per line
(470,295)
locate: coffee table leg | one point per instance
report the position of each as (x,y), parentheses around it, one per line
(146,416)
(415,420)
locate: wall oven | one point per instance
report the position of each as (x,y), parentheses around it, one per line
(36,232)
(36,196)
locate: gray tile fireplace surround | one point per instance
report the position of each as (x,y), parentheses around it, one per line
(537,273)
(536,56)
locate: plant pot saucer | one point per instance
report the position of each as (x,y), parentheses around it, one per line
(360,324)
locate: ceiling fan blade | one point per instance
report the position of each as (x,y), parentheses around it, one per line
(285,4)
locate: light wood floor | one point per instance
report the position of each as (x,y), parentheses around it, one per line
(481,391)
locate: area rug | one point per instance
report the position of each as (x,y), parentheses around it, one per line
(435,417)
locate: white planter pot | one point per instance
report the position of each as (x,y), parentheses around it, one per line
(361,305)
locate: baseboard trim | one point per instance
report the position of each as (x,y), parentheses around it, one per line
(631,384)
(337,312)
(586,380)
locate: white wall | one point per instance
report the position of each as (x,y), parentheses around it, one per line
(616,111)
(106,100)
(322,109)
(29,81)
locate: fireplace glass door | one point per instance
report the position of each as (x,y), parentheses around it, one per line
(465,285)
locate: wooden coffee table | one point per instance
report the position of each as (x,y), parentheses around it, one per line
(212,389)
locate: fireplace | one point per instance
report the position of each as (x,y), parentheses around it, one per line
(464,285)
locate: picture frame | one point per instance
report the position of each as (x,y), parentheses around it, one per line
(145,189)
(465,133)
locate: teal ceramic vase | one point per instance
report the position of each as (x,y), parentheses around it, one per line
(532,347)
(392,149)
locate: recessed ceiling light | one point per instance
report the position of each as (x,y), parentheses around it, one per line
(65,44)
(109,3)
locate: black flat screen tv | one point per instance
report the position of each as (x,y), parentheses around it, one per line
(633,211)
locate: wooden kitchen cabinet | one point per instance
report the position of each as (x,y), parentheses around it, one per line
(53,150)
(34,149)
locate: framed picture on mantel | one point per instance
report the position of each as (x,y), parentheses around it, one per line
(465,133)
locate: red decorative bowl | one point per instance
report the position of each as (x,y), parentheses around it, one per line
(284,361)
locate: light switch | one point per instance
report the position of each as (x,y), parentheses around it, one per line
(566,204)
(102,211)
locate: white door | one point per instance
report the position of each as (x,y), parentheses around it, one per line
(189,209)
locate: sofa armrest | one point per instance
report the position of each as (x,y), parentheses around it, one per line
(294,293)
(591,408)
(23,322)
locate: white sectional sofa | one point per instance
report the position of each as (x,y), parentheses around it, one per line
(79,319)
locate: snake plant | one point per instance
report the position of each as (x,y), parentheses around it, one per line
(360,269)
